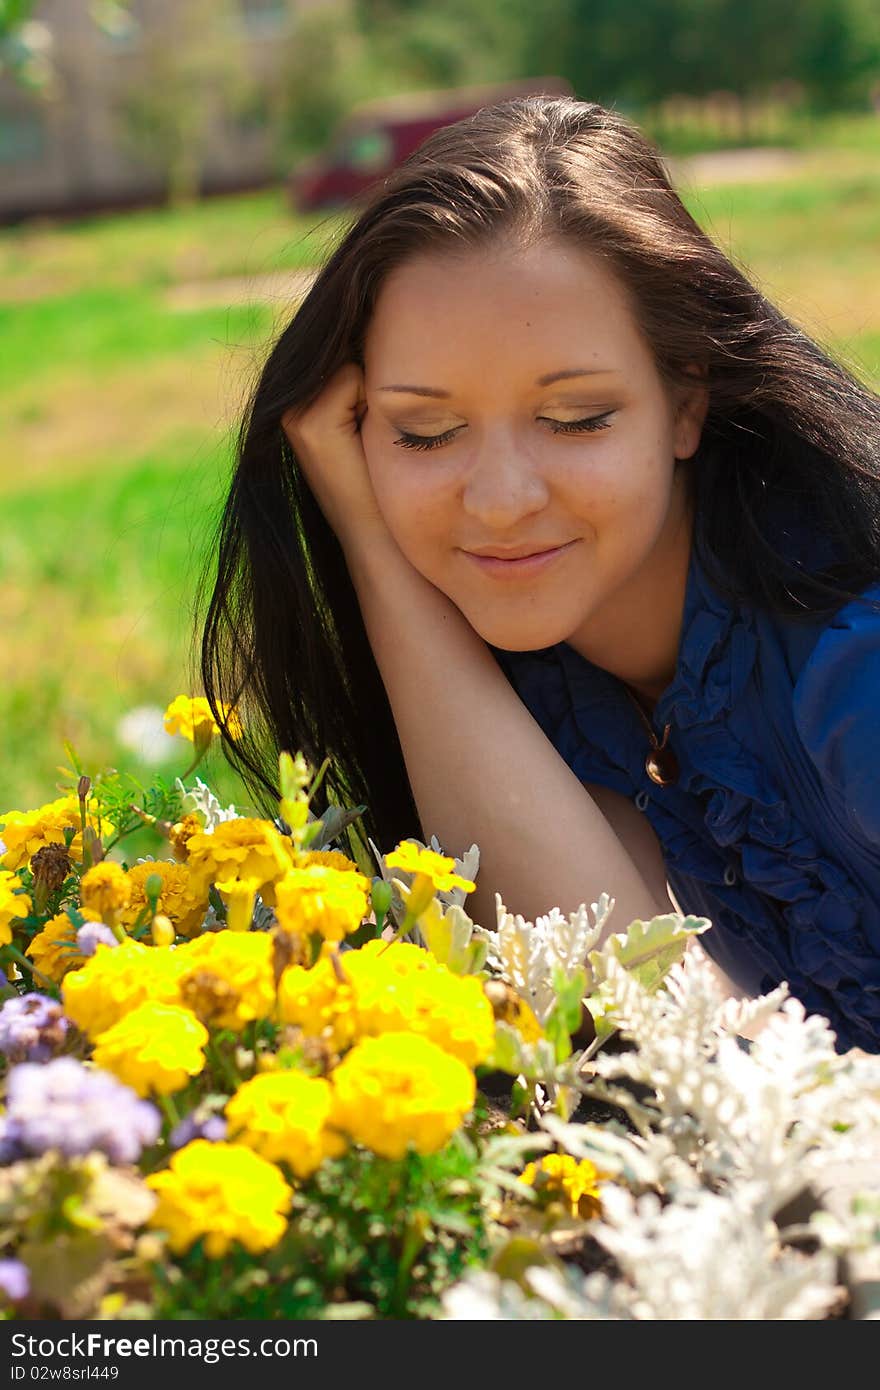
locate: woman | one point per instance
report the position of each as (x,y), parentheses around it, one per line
(560,539)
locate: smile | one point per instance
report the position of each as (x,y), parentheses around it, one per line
(522,568)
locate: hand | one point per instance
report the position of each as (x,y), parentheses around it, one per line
(326,441)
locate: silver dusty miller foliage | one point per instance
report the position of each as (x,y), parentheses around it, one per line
(526,954)
(726,1135)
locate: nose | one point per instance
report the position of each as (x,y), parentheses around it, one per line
(503,483)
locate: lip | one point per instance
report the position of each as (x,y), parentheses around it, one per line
(523,566)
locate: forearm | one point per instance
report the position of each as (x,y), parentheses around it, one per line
(480,768)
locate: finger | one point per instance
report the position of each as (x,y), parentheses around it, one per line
(338,400)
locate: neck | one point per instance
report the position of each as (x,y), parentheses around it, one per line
(637,635)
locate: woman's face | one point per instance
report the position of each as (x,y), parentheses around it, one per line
(548,425)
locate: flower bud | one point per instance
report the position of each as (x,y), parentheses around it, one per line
(162,930)
(50,867)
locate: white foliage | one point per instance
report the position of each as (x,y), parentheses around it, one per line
(729,1132)
(705,1257)
(526,954)
(203,801)
(764,1115)
(857,1228)
(483,1296)
(709,1257)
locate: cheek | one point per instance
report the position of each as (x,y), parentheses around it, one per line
(406,489)
(624,479)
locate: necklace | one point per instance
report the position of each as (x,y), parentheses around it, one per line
(661,763)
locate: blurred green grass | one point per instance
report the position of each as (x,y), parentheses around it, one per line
(120,396)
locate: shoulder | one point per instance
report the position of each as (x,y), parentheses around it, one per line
(836,705)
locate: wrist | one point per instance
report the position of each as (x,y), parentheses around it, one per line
(391,590)
(374,560)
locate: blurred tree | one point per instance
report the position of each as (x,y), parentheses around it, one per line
(455,44)
(26,40)
(642,53)
(192,72)
(837,56)
(322,69)
(355,50)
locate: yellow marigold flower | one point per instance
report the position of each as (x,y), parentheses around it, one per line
(508,1007)
(571,1180)
(190,715)
(450,1010)
(244,848)
(12,904)
(284,1115)
(401,1089)
(155,1048)
(331,902)
(227,978)
(115,980)
(182,832)
(26,832)
(382,988)
(105,891)
(183,899)
(53,950)
(327,858)
(437,867)
(315,1000)
(223,1192)
(239,896)
(325,997)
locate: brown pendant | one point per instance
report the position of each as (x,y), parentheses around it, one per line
(661,764)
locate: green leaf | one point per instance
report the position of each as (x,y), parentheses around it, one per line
(449,937)
(74,758)
(649,949)
(558,1035)
(507,1054)
(334,820)
(70,1271)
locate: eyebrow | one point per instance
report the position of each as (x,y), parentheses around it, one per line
(541,381)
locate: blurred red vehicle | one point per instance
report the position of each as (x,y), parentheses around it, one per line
(377,135)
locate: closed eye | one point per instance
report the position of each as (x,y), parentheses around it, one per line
(433,441)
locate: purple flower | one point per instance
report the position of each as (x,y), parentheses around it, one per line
(93,933)
(9,1149)
(75,1109)
(15,1279)
(32,1028)
(213,1128)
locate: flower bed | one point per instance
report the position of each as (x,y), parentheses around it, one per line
(249,1080)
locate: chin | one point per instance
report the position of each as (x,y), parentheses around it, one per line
(517,637)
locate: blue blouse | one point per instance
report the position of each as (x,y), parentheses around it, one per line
(772,830)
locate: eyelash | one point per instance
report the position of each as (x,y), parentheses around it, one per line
(593,422)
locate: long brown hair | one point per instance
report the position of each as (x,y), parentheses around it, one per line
(283,636)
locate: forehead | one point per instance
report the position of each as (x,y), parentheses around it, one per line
(545,298)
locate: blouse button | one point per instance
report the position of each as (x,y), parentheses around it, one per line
(642,799)
(730,875)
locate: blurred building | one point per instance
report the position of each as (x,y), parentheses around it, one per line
(101,133)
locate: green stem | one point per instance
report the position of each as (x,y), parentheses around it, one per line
(13,953)
(319,777)
(223,1066)
(170,1111)
(193,765)
(406,925)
